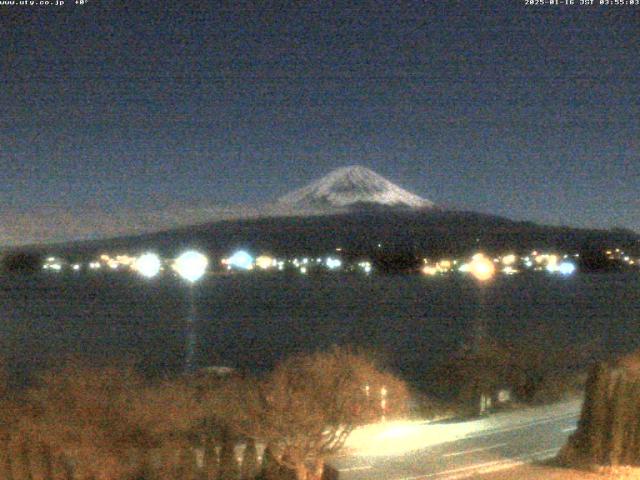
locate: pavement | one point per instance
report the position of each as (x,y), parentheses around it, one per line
(417,450)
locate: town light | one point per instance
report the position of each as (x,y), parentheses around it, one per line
(147,265)
(191,265)
(265,262)
(566,268)
(482,268)
(241,259)
(509,259)
(429,270)
(333,263)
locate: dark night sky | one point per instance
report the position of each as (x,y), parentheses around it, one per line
(527,112)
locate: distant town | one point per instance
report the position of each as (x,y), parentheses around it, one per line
(479,264)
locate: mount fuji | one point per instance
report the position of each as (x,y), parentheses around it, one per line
(352,208)
(349,188)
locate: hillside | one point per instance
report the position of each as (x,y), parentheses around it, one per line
(366,232)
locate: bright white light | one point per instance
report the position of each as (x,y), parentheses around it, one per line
(56,267)
(366,266)
(333,263)
(566,268)
(147,265)
(191,265)
(241,259)
(76,267)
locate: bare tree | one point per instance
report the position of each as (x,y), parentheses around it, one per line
(535,368)
(249,461)
(80,423)
(103,424)
(307,407)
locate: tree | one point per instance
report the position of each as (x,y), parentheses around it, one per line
(270,469)
(104,424)
(249,461)
(21,262)
(608,432)
(307,407)
(533,367)
(229,469)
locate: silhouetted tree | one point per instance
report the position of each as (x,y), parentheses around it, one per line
(534,367)
(21,262)
(211,462)
(608,432)
(249,461)
(229,469)
(270,469)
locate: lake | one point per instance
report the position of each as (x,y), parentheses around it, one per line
(250,321)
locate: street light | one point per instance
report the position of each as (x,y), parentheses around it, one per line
(191,266)
(147,265)
(482,268)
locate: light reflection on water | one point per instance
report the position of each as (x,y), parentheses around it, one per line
(251,321)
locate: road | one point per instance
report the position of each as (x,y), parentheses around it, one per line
(441,450)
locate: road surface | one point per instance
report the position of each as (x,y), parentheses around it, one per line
(441,450)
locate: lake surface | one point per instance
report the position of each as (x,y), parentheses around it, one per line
(251,321)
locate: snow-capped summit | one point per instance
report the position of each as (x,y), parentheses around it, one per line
(353,186)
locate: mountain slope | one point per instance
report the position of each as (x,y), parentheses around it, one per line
(350,187)
(367,233)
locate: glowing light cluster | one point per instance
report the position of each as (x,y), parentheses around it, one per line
(444,265)
(240,259)
(481,267)
(365,266)
(509,259)
(429,270)
(56,267)
(266,262)
(567,268)
(52,263)
(118,261)
(147,265)
(333,263)
(191,265)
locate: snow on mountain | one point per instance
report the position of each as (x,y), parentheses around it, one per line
(351,187)
(341,190)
